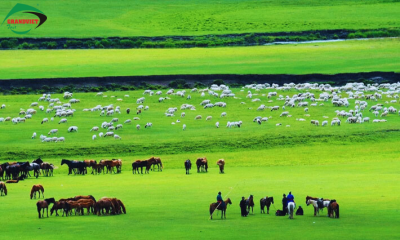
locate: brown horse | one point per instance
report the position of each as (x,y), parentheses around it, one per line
(60,205)
(221,164)
(3,189)
(89,204)
(74,205)
(155,161)
(217,206)
(89,163)
(96,168)
(104,204)
(12,181)
(203,163)
(47,169)
(250,203)
(44,204)
(76,198)
(333,209)
(110,164)
(266,202)
(119,207)
(37,188)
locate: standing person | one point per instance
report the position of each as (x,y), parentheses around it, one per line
(220,201)
(243,209)
(284,204)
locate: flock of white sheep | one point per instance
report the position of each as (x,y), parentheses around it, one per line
(350,101)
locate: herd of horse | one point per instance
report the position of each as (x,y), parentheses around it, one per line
(15,171)
(318,204)
(202,165)
(104,206)
(80,167)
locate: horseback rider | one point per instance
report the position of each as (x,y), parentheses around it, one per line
(284,204)
(220,201)
(290,198)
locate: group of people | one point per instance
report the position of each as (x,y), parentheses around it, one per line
(243,205)
(285,201)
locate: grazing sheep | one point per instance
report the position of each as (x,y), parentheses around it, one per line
(60,139)
(148,125)
(208,118)
(34,135)
(197,117)
(278,124)
(117,137)
(305,109)
(53,131)
(118,126)
(324,123)
(184,127)
(64,120)
(52,119)
(136,118)
(111,128)
(94,129)
(73,129)
(94,137)
(183,114)
(128,121)
(1,119)
(45,120)
(223,114)
(101,134)
(217,124)
(109,134)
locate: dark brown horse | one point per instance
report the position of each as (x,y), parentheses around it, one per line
(140,164)
(188,166)
(37,188)
(76,198)
(3,189)
(266,202)
(221,164)
(89,163)
(74,205)
(60,205)
(89,204)
(333,209)
(155,161)
(104,204)
(119,207)
(202,163)
(44,204)
(110,164)
(217,206)
(250,203)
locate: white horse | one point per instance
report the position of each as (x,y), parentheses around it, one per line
(316,207)
(291,207)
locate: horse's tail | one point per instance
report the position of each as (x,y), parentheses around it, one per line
(291,208)
(337,211)
(32,193)
(123,206)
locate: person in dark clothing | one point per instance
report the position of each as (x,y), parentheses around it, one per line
(243,209)
(220,201)
(300,211)
(284,204)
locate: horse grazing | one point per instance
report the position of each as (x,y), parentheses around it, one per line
(44,204)
(76,198)
(89,204)
(155,161)
(139,164)
(333,209)
(250,203)
(217,206)
(221,164)
(37,188)
(188,166)
(291,207)
(266,202)
(3,189)
(104,204)
(60,205)
(202,162)
(74,205)
(74,165)
(119,207)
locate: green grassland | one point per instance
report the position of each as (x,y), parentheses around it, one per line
(327,58)
(357,164)
(159,18)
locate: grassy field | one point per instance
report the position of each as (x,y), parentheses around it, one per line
(158,18)
(366,193)
(328,58)
(354,163)
(199,137)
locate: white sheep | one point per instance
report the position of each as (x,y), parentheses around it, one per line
(64,120)
(324,123)
(53,131)
(223,114)
(217,124)
(183,114)
(148,125)
(34,135)
(94,137)
(184,127)
(101,134)
(208,118)
(73,129)
(60,139)
(117,137)
(94,129)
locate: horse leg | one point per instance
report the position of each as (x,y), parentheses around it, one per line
(39,211)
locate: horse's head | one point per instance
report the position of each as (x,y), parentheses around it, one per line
(308,202)
(91,197)
(272,200)
(228,201)
(38,161)
(50,200)
(63,161)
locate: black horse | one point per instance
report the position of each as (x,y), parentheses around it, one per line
(3,170)
(72,165)
(266,202)
(139,164)
(188,166)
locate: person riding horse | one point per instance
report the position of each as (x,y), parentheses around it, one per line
(290,198)
(221,203)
